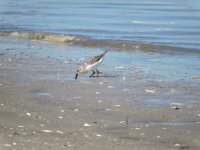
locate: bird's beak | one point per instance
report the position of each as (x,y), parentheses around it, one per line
(76,76)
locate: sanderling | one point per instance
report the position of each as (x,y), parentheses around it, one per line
(91,64)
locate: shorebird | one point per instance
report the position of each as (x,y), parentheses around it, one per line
(91,64)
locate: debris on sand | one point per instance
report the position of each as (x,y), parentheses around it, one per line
(149,91)
(116,105)
(47,131)
(60,117)
(87,125)
(124,78)
(122,122)
(62,110)
(98,135)
(99,101)
(76,109)
(119,67)
(101,83)
(177,145)
(28,114)
(110,87)
(7,145)
(85,135)
(177,104)
(97,93)
(60,132)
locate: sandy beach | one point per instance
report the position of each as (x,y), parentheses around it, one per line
(147,96)
(43,107)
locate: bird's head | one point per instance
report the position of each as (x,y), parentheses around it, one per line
(105,51)
(77,73)
(79,70)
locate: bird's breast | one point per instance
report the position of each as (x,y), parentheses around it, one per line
(94,65)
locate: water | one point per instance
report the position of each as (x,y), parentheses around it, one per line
(170,23)
(138,65)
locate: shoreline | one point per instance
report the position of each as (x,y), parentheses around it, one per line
(125,45)
(42,107)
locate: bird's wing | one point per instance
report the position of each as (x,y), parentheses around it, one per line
(93,59)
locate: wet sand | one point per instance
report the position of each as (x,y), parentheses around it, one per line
(43,107)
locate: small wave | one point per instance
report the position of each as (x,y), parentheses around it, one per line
(41,36)
(90,42)
(163,29)
(151,22)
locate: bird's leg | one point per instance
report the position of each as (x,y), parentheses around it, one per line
(98,72)
(76,76)
(92,74)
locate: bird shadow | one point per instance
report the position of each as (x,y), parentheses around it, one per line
(105,76)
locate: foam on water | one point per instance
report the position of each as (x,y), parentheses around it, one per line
(91,42)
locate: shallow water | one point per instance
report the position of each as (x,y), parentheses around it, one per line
(137,64)
(173,22)
(121,69)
